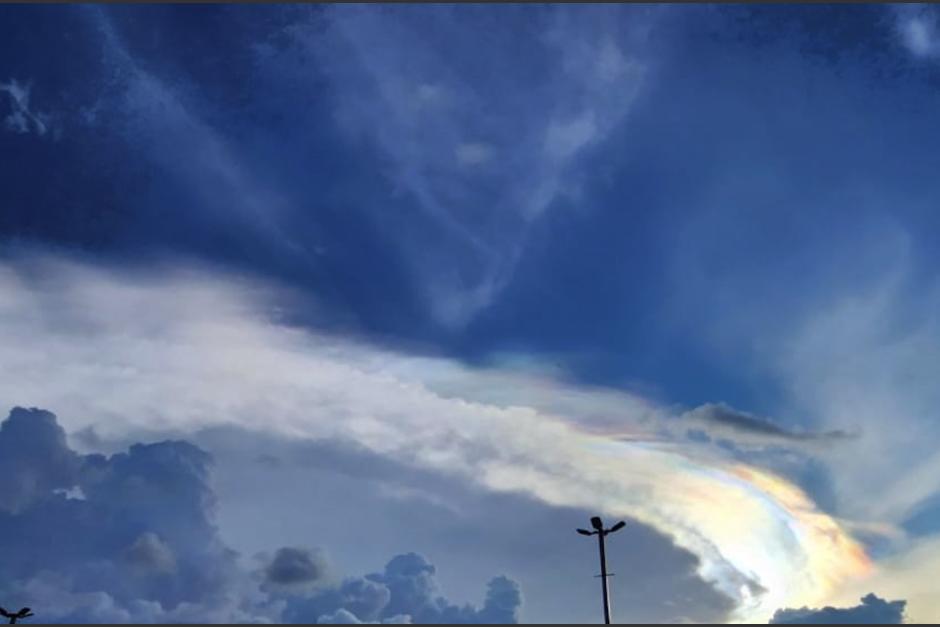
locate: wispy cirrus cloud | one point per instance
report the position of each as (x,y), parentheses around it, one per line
(480,147)
(161,119)
(22,117)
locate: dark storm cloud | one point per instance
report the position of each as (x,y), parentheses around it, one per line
(132,538)
(293,567)
(872,611)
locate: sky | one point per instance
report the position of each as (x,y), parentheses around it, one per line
(354,313)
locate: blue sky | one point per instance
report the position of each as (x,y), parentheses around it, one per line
(435,264)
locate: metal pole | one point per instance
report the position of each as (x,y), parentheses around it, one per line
(604,588)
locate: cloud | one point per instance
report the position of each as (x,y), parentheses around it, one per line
(22,119)
(294,568)
(917,27)
(190,351)
(859,362)
(151,556)
(853,354)
(444,518)
(158,118)
(872,611)
(478,148)
(722,420)
(908,573)
(142,546)
(406,591)
(34,459)
(473,153)
(339,617)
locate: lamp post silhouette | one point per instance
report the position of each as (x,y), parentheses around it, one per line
(15,616)
(601,533)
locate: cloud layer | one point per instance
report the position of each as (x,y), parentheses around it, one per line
(222,361)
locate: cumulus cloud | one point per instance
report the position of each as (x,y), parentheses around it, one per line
(22,118)
(149,555)
(34,459)
(872,611)
(142,546)
(405,591)
(220,359)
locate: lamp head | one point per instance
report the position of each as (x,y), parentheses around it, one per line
(597,524)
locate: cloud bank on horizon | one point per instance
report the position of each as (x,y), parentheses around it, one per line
(132,538)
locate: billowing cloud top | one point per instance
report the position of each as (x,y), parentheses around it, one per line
(873,611)
(131,538)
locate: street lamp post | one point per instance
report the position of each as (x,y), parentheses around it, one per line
(601,533)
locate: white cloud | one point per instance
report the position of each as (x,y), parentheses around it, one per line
(917,27)
(22,119)
(909,575)
(867,362)
(191,350)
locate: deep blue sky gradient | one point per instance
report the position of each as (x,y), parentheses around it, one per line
(764,150)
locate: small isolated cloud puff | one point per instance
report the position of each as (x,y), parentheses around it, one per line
(21,119)
(917,26)
(872,611)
